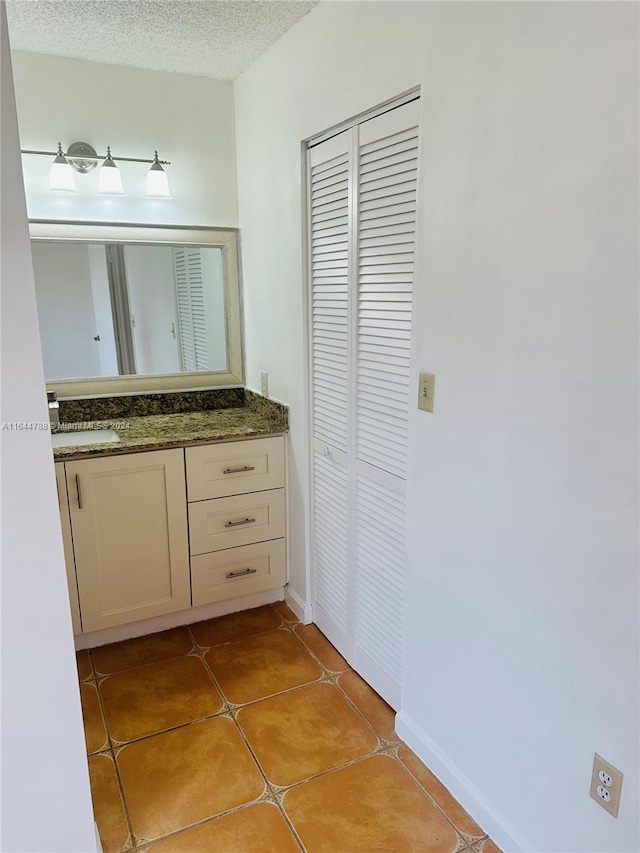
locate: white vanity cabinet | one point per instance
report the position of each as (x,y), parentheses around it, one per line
(129,523)
(236,518)
(151,533)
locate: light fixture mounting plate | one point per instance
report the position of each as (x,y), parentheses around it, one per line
(82,149)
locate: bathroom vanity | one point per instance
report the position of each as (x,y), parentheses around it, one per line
(184,510)
(171,477)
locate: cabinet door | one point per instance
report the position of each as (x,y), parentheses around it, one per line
(129,520)
(67,543)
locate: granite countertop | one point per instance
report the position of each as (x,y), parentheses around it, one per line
(158,432)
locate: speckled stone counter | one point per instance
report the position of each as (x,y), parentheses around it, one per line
(258,417)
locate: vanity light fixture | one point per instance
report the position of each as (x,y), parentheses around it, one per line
(109,177)
(82,157)
(61,177)
(157,181)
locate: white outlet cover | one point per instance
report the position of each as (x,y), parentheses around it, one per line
(606,785)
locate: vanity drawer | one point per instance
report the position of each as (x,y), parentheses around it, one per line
(237,571)
(239,520)
(234,468)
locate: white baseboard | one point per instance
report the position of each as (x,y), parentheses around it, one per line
(173,620)
(452,777)
(303,611)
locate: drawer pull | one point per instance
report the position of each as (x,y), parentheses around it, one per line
(241,574)
(239,470)
(239,523)
(79,491)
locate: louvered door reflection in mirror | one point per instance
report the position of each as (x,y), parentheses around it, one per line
(362,192)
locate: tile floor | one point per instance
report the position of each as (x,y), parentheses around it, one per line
(250,734)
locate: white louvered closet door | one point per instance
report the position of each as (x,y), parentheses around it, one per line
(190,298)
(361,389)
(330,187)
(386,223)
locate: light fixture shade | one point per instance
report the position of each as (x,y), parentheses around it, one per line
(61,177)
(109,177)
(157,181)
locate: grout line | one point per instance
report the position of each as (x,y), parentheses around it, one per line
(284,789)
(464,835)
(147,841)
(289,823)
(125,806)
(283,623)
(357,709)
(120,744)
(112,753)
(95,686)
(245,739)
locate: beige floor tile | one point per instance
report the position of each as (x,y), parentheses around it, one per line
(254,829)
(95,734)
(142,650)
(259,666)
(304,732)
(107,804)
(235,626)
(178,778)
(372,806)
(380,716)
(149,699)
(321,648)
(432,785)
(83,662)
(285,611)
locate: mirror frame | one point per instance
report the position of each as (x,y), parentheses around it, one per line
(225,239)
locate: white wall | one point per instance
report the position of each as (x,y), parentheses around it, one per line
(190,120)
(46,804)
(65,310)
(522,606)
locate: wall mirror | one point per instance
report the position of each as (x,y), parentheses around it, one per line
(134,309)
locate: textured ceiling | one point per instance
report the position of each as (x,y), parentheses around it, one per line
(208,38)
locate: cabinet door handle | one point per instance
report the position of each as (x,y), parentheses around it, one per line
(239,470)
(79,491)
(241,574)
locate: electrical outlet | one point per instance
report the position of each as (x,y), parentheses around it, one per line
(606,785)
(426,391)
(264,384)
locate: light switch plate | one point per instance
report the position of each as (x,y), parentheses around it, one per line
(426,391)
(264,384)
